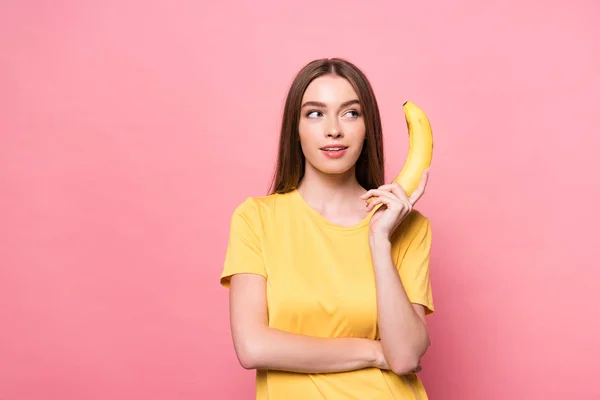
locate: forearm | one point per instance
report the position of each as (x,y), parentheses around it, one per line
(273,349)
(403,334)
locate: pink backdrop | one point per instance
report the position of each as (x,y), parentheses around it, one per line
(131,129)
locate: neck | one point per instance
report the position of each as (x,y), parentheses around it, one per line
(330,191)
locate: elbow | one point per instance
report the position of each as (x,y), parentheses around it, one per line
(408,362)
(406,366)
(246,360)
(248,354)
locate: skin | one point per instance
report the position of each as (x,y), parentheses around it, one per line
(330,187)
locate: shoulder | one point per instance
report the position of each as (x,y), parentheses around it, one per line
(416,224)
(415,220)
(254,208)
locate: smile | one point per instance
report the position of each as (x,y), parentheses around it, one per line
(334,152)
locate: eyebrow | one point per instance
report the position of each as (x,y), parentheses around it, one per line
(323,105)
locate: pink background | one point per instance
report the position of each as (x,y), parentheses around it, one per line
(131,129)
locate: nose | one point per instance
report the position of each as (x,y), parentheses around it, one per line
(333,131)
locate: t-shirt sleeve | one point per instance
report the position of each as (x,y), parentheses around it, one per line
(244,249)
(413,263)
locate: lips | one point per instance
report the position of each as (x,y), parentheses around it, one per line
(334,148)
(334,151)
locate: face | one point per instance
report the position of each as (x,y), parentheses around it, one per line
(332,128)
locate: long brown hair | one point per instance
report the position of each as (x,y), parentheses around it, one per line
(291,160)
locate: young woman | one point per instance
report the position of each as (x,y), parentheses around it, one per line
(329,293)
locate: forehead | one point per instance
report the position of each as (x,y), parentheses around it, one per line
(329,89)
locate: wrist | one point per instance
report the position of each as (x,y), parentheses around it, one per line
(375,354)
(379,240)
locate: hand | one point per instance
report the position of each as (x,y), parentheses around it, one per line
(396,206)
(380,361)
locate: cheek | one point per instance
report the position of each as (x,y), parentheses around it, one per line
(355,132)
(356,127)
(309,133)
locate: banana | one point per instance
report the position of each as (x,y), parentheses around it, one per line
(420,149)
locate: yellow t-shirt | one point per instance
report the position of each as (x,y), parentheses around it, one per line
(320,282)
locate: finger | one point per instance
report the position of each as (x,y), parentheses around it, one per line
(382,199)
(416,195)
(379,192)
(399,191)
(389,200)
(366,195)
(396,189)
(374,202)
(387,186)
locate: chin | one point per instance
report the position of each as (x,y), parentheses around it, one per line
(333,169)
(338,166)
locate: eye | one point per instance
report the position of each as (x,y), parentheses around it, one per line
(311,112)
(356,113)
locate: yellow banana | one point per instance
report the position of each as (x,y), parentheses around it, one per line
(420,148)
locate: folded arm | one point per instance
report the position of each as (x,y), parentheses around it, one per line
(259,346)
(404,333)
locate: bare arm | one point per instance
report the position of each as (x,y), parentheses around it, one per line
(402,326)
(404,334)
(259,346)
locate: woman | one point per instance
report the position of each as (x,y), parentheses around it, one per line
(329,293)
